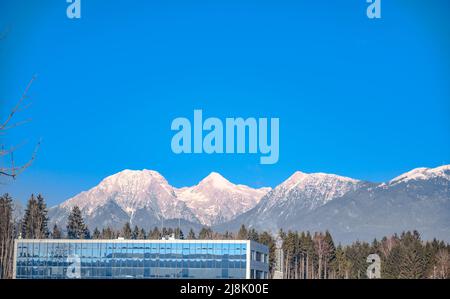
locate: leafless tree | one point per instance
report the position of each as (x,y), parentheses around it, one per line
(323,250)
(8,166)
(442,264)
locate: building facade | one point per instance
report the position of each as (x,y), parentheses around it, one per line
(110,259)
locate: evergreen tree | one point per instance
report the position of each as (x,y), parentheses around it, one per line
(243,233)
(191,235)
(155,234)
(96,234)
(267,239)
(330,253)
(179,234)
(56,233)
(107,233)
(253,235)
(205,233)
(126,231)
(76,229)
(34,223)
(43,231)
(135,233)
(142,235)
(412,256)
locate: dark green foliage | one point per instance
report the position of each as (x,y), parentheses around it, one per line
(135,233)
(126,231)
(141,235)
(191,235)
(35,220)
(96,234)
(56,233)
(243,233)
(205,233)
(76,229)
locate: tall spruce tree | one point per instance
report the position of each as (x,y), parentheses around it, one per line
(43,231)
(126,231)
(142,234)
(155,234)
(191,235)
(96,234)
(56,233)
(76,229)
(135,233)
(35,220)
(205,233)
(243,233)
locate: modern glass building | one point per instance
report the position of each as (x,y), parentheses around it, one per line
(112,259)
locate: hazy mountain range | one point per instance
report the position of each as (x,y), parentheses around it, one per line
(350,209)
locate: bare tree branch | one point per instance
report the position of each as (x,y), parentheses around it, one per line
(12,170)
(18,105)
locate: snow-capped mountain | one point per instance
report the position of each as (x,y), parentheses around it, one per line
(416,200)
(141,197)
(350,209)
(422,174)
(145,198)
(216,200)
(300,194)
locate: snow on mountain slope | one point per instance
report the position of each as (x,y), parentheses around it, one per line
(297,196)
(215,199)
(144,197)
(356,210)
(423,173)
(308,191)
(135,192)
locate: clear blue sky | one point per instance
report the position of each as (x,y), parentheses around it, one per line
(364,98)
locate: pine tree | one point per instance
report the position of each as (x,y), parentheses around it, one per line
(191,235)
(243,233)
(34,223)
(56,233)
(135,233)
(330,253)
(253,235)
(179,234)
(76,229)
(96,234)
(107,233)
(412,256)
(267,239)
(155,234)
(42,223)
(142,235)
(126,231)
(205,234)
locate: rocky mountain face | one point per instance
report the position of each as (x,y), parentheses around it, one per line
(353,210)
(215,200)
(350,209)
(146,199)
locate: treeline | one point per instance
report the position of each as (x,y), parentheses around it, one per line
(315,256)
(306,255)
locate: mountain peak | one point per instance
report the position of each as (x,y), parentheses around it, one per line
(423,173)
(298,177)
(215,179)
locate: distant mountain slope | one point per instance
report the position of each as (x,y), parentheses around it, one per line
(146,199)
(349,208)
(215,200)
(419,199)
(296,197)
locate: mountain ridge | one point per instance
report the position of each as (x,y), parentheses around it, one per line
(348,207)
